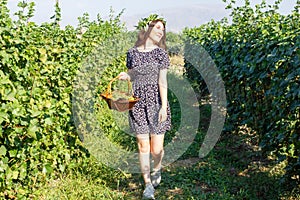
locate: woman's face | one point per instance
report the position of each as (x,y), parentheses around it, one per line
(157,32)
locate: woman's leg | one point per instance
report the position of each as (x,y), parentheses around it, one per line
(144,156)
(157,150)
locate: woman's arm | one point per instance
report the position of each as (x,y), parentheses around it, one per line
(128,75)
(163,90)
(163,87)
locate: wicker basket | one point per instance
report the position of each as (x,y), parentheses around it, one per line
(121,104)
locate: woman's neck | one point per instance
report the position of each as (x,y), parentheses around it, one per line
(149,43)
(148,46)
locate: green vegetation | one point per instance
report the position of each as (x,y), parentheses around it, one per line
(233,170)
(50,76)
(258,57)
(38,140)
(175,43)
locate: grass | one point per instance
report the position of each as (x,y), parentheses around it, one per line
(234,169)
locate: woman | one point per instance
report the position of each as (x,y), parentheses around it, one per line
(150,118)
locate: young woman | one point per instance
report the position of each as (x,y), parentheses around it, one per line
(150,118)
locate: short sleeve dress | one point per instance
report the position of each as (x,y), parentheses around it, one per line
(144,68)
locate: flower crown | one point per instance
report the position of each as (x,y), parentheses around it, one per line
(144,22)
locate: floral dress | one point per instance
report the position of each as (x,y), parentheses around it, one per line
(144,68)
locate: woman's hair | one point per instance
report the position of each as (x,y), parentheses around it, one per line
(143,35)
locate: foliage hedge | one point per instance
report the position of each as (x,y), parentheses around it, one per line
(258,56)
(38,65)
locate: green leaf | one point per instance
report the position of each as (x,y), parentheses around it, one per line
(43,55)
(47,168)
(23,171)
(3,116)
(13,153)
(48,121)
(2,150)
(35,112)
(32,129)
(15,174)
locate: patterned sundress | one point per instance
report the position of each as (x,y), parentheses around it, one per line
(144,68)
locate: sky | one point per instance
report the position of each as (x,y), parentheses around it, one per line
(72,9)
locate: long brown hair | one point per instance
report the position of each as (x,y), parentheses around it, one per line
(143,35)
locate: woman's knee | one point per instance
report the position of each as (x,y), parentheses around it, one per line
(157,152)
(144,146)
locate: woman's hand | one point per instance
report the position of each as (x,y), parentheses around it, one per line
(162,115)
(124,76)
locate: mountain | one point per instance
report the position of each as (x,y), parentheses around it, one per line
(180,17)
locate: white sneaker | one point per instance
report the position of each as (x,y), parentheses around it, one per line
(156,177)
(149,191)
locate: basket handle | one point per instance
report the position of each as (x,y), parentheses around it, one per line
(108,90)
